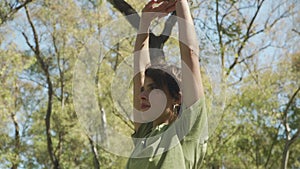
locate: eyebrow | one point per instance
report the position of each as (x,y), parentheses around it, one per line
(149,86)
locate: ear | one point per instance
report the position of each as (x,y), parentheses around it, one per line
(178,101)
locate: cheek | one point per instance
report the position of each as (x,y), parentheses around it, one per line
(158,99)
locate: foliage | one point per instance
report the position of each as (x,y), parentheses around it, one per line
(256,43)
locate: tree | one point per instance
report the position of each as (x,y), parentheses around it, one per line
(254,43)
(9,8)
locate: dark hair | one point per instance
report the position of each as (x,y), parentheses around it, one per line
(166,76)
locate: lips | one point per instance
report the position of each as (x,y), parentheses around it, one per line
(144,106)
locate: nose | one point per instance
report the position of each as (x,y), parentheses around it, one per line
(144,95)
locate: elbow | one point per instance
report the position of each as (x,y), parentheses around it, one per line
(190,49)
(194,51)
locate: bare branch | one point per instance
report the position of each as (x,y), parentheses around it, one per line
(289,141)
(219,24)
(61,73)
(246,38)
(285,122)
(44,66)
(15,162)
(169,24)
(127,10)
(295,137)
(255,53)
(272,145)
(130,125)
(95,153)
(298,32)
(14,9)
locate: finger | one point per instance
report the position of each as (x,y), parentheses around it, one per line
(151,3)
(167,7)
(149,6)
(171,3)
(162,15)
(155,5)
(168,4)
(162,6)
(171,9)
(157,1)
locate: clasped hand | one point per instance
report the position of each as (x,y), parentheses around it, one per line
(158,8)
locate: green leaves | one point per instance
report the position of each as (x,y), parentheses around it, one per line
(263,75)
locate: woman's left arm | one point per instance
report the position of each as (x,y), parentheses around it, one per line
(192,88)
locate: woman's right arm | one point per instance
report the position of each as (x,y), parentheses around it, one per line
(141,60)
(151,10)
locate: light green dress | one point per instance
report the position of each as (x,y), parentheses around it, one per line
(181,145)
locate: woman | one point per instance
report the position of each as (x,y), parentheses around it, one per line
(170,119)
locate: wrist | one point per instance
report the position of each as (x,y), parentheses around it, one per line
(146,18)
(180,2)
(144,26)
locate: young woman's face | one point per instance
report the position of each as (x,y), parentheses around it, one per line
(153,99)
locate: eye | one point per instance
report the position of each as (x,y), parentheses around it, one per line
(152,87)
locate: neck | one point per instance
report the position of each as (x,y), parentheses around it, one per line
(167,118)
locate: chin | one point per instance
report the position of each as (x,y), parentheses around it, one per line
(144,109)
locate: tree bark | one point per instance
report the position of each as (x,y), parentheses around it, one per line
(44,66)
(13,9)
(289,140)
(95,154)
(246,37)
(15,163)
(127,10)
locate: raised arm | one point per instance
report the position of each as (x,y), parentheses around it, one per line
(151,10)
(141,60)
(192,89)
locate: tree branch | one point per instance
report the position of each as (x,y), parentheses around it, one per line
(289,141)
(95,153)
(15,162)
(127,10)
(298,32)
(285,120)
(247,36)
(272,145)
(13,10)
(219,24)
(169,24)
(44,66)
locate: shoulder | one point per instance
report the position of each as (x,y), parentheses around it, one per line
(196,107)
(192,123)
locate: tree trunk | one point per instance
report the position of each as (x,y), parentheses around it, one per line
(44,67)
(289,139)
(285,156)
(95,154)
(15,163)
